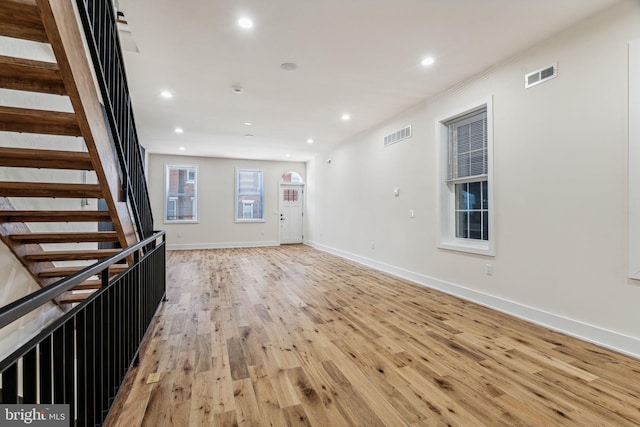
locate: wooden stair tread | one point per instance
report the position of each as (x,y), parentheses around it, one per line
(29,75)
(21,19)
(72,255)
(72,298)
(26,120)
(67,271)
(46,159)
(68,237)
(47,189)
(54,216)
(88,284)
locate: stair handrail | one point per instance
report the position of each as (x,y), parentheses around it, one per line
(25,305)
(99,22)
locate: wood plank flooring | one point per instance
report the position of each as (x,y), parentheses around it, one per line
(291,336)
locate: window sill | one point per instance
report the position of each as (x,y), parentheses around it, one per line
(481,247)
(178,221)
(240,221)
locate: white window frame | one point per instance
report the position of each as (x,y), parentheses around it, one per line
(173,201)
(237,183)
(194,200)
(191,180)
(445,192)
(634,162)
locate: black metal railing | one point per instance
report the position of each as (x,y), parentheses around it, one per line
(99,22)
(82,358)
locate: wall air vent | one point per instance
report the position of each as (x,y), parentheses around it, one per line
(397,136)
(541,75)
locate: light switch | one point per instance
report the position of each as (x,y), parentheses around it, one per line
(412,213)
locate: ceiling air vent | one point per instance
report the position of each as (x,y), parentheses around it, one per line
(397,136)
(541,75)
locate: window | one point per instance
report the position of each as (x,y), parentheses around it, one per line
(172,207)
(292,178)
(181,194)
(465,189)
(290,195)
(249,196)
(472,214)
(468,173)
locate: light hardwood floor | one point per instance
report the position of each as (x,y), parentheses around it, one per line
(294,336)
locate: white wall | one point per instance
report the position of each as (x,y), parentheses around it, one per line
(216,203)
(15,282)
(560,189)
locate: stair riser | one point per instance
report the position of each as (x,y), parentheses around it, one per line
(21,21)
(38,121)
(67,273)
(81,238)
(64,129)
(30,77)
(40,189)
(45,159)
(72,255)
(53,217)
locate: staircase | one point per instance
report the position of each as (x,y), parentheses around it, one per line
(49,194)
(73,191)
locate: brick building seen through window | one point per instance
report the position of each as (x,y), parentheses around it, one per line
(181,193)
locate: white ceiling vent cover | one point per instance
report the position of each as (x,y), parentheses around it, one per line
(541,75)
(397,136)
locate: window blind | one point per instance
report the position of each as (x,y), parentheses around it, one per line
(468,146)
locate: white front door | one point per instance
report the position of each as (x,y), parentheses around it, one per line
(291,213)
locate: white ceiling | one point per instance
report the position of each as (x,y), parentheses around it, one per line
(356,56)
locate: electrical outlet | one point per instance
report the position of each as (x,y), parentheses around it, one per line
(488,269)
(373,245)
(412,213)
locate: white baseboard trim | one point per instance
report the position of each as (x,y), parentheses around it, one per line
(609,339)
(225,245)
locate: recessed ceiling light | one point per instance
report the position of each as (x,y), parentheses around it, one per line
(245,22)
(166,94)
(345,117)
(248,123)
(309,141)
(178,130)
(182,148)
(287,155)
(289,66)
(429,60)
